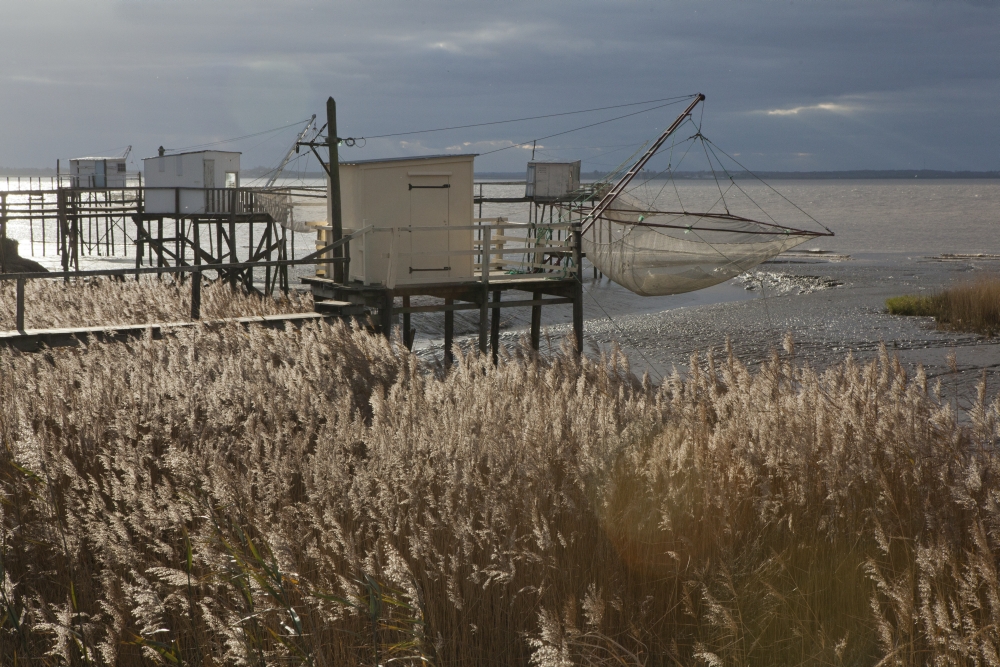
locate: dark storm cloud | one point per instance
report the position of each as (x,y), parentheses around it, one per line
(790,85)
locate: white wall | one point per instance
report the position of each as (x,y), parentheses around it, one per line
(380,194)
(163,174)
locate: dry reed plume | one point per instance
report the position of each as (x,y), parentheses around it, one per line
(233,497)
(971,306)
(97,301)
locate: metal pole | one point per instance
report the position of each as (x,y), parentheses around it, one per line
(333,189)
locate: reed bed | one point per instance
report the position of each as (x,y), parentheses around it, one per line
(971,306)
(96,301)
(317,497)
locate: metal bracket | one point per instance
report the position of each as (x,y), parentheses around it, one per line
(443,268)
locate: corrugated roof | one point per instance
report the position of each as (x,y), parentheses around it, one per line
(77,159)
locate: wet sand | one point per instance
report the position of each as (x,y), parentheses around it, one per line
(831,304)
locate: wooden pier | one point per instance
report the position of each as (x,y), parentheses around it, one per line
(511,259)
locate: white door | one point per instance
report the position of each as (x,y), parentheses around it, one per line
(429,204)
(209,173)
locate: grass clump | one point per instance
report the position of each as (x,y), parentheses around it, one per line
(911,304)
(314,497)
(972,307)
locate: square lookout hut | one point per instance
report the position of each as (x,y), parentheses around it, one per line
(189,182)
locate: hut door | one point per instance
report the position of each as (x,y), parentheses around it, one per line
(100,174)
(209,173)
(429,203)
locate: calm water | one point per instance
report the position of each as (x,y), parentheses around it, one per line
(868,216)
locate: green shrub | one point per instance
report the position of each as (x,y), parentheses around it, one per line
(910,304)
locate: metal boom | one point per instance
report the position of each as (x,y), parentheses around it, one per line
(288,155)
(620,186)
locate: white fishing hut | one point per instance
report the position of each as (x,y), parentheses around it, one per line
(551,180)
(97,172)
(179,182)
(420,210)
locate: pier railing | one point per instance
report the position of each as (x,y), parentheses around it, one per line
(513,250)
(101,222)
(223,270)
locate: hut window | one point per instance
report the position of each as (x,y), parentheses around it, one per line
(121,167)
(230,179)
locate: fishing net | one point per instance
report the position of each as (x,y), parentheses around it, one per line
(649,239)
(653,253)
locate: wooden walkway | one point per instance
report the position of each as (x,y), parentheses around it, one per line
(33,340)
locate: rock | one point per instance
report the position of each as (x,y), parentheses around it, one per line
(12,262)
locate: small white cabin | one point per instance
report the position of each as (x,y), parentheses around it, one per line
(399,196)
(179,182)
(552,180)
(97,172)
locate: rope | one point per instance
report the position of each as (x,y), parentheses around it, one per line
(583,127)
(625,336)
(518,120)
(245,136)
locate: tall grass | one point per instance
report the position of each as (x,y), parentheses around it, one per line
(971,306)
(314,497)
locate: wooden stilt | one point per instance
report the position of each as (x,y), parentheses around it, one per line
(536,321)
(578,292)
(407,331)
(449,333)
(495,329)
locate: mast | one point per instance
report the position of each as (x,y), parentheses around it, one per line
(612,194)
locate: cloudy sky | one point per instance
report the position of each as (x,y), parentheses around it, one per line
(790,84)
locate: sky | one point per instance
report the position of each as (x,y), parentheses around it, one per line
(789,84)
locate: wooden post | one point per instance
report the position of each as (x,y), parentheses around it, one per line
(139,231)
(19,317)
(407,332)
(578,291)
(385,314)
(195,295)
(449,333)
(536,322)
(3,233)
(495,328)
(333,194)
(232,238)
(485,296)
(196,275)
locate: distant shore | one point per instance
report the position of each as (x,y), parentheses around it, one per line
(853,174)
